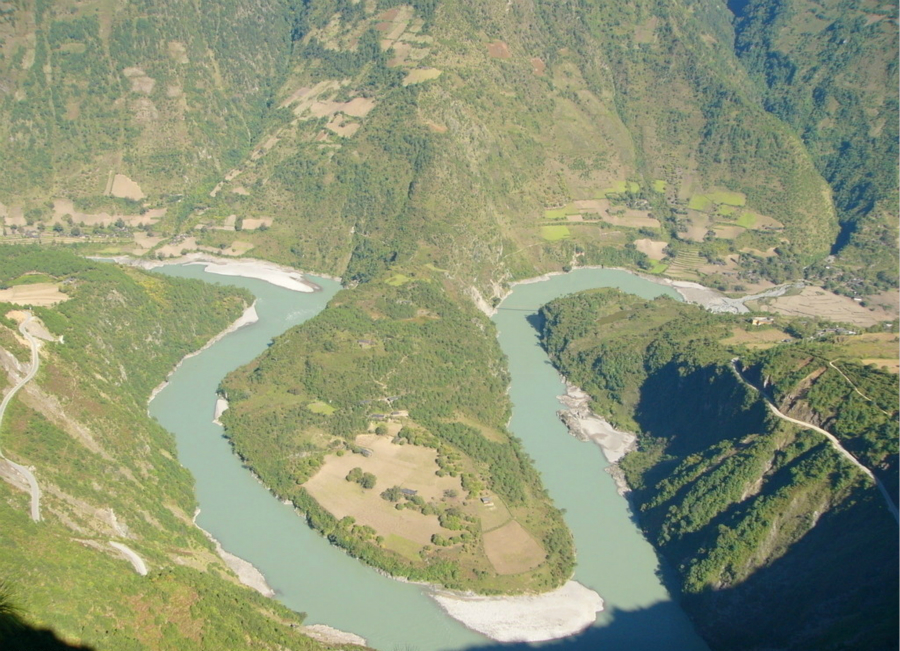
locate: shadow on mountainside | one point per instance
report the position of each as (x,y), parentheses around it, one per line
(835,588)
(18,635)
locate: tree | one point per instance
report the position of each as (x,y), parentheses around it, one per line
(392,494)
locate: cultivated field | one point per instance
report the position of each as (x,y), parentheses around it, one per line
(652,249)
(879,348)
(63,207)
(124,187)
(756,337)
(818,302)
(419,75)
(512,550)
(407,466)
(37,294)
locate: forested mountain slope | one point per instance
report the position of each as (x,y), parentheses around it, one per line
(108,473)
(776,540)
(828,68)
(346,137)
(169,94)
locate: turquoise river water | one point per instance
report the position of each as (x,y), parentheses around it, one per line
(310,575)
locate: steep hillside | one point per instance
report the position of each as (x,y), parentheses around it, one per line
(828,68)
(169,96)
(541,137)
(108,474)
(346,137)
(776,539)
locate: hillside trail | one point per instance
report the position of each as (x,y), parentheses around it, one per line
(22,470)
(855,388)
(835,443)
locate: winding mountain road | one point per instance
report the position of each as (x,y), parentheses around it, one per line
(835,443)
(136,561)
(25,472)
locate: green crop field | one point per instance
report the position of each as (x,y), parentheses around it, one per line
(728,198)
(555,233)
(700,202)
(319,407)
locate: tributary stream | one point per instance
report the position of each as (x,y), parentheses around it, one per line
(311,576)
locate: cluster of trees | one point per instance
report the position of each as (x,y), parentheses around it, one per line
(855,402)
(364,479)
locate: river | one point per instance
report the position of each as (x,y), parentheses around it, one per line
(311,576)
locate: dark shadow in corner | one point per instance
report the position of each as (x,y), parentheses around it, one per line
(16,635)
(654,628)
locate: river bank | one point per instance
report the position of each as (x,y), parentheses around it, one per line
(585,425)
(706,297)
(270,272)
(247,318)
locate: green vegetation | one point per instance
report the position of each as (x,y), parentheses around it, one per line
(555,233)
(727,198)
(745,219)
(364,479)
(828,70)
(376,349)
(700,202)
(319,407)
(303,113)
(300,117)
(96,451)
(756,516)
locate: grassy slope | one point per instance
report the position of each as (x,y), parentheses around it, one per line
(763,522)
(157,93)
(82,423)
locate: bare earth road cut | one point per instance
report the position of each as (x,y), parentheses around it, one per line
(136,561)
(835,443)
(25,472)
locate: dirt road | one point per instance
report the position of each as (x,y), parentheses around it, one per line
(835,443)
(25,472)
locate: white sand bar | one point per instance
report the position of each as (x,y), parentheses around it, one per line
(221,408)
(585,425)
(534,618)
(261,271)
